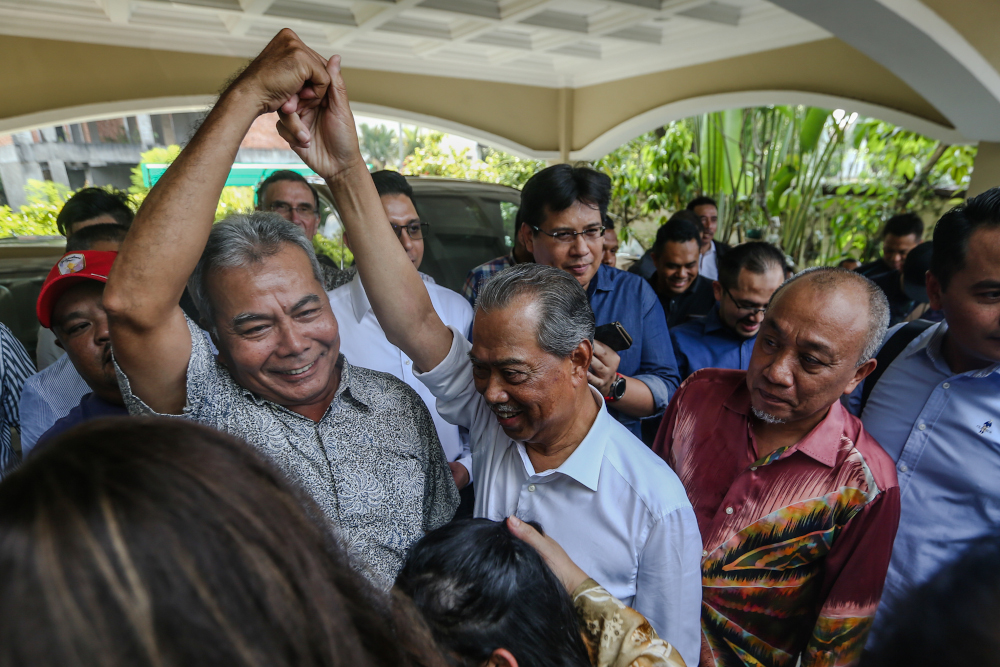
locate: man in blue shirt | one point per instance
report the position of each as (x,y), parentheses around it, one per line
(564,208)
(936,408)
(748,276)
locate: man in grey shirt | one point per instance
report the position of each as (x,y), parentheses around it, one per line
(360,442)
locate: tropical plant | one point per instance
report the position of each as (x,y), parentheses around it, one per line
(378,145)
(38,217)
(433,158)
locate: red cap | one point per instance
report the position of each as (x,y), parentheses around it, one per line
(74,267)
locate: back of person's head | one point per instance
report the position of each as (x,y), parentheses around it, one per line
(391,183)
(953,230)
(681,227)
(904,224)
(754,256)
(609,222)
(90,203)
(556,188)
(242,240)
(701,201)
(915,268)
(480,588)
(284,175)
(94,235)
(153,541)
(563,309)
(953,619)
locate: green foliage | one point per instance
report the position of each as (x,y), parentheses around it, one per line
(378,145)
(38,217)
(434,159)
(339,253)
(655,172)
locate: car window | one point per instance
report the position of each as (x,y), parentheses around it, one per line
(464,231)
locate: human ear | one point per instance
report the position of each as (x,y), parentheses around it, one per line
(717,290)
(501,657)
(860,373)
(935,292)
(580,358)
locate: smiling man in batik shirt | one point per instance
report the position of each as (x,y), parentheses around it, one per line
(797,504)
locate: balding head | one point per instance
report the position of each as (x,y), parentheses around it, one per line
(827,279)
(815,344)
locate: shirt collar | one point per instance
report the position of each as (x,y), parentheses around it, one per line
(931,344)
(359,299)
(820,444)
(603,280)
(711,321)
(584,464)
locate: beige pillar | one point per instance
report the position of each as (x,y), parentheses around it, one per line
(985,169)
(565,126)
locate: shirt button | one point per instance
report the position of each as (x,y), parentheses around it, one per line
(753,468)
(946,385)
(922,427)
(704,553)
(729,510)
(407,362)
(903,468)
(531,488)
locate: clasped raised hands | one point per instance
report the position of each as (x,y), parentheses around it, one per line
(309,95)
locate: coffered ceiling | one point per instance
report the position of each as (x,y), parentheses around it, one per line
(558,43)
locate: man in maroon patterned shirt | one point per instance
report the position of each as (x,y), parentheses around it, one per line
(797,504)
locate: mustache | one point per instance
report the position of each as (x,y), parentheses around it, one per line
(504,410)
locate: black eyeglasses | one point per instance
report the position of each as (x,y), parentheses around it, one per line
(415,230)
(749,309)
(284,208)
(589,234)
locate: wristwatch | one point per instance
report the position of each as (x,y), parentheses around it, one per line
(617,389)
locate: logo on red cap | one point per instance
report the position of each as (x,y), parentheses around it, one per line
(72,263)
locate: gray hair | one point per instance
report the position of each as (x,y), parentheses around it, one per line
(878,304)
(240,240)
(564,314)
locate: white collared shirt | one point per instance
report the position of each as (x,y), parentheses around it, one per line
(364,344)
(708,266)
(616,508)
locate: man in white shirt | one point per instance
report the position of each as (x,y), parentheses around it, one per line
(543,444)
(364,343)
(707,211)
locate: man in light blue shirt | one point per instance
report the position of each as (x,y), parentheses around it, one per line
(748,275)
(936,408)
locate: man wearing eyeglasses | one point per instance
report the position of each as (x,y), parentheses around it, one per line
(748,275)
(365,344)
(290,195)
(565,208)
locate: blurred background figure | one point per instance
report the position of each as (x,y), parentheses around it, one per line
(850,264)
(611,242)
(161,542)
(913,281)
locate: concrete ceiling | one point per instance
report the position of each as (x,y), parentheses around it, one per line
(558,79)
(560,43)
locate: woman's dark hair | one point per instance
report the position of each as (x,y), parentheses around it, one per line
(952,619)
(92,202)
(480,589)
(952,232)
(142,541)
(681,227)
(558,187)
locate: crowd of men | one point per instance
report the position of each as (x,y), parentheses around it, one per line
(735,471)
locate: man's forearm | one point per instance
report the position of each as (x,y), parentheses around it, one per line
(392,284)
(172,226)
(638,399)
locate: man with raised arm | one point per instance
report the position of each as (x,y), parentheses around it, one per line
(360,442)
(544,447)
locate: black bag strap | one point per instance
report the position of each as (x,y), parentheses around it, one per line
(892,348)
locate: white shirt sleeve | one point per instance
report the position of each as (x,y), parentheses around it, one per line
(452,384)
(668,584)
